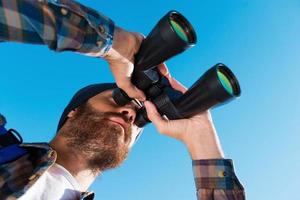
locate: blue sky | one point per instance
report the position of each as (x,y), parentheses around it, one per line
(258,40)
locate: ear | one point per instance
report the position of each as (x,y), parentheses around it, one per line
(72,113)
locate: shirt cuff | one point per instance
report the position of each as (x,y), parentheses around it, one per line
(215,174)
(97,31)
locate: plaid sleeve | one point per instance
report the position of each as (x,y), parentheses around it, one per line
(62,25)
(215,180)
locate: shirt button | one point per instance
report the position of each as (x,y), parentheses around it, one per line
(64,11)
(101,29)
(222,174)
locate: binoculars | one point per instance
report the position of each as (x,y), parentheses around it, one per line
(172,35)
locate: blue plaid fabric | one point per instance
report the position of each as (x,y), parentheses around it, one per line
(216,180)
(18,176)
(62,25)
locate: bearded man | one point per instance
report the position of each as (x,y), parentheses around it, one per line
(94,133)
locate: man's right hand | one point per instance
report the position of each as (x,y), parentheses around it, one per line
(121,60)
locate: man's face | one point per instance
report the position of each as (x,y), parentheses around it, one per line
(102,130)
(121,116)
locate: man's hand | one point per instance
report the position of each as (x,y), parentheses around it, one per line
(197,133)
(121,60)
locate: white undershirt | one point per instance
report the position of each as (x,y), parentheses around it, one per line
(55,183)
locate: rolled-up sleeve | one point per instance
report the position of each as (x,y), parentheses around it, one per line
(215,179)
(62,25)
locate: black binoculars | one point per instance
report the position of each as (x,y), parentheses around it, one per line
(172,35)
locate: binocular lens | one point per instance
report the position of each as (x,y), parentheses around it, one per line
(228,81)
(182,27)
(225,82)
(179,30)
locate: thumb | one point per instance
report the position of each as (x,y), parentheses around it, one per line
(155,117)
(172,128)
(132,91)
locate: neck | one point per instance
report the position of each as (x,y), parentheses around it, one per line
(74,162)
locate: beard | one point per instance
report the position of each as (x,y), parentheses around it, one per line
(103,143)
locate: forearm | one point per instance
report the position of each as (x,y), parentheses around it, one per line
(215,178)
(61,25)
(202,140)
(207,146)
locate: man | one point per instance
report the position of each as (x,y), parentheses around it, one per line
(94,133)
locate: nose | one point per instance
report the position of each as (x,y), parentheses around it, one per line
(129,111)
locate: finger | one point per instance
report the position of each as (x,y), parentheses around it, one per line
(131,90)
(163,70)
(177,85)
(172,128)
(154,116)
(136,93)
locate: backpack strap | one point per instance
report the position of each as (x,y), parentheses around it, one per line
(8,138)
(2,124)
(11,153)
(9,143)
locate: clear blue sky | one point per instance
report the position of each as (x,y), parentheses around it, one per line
(258,39)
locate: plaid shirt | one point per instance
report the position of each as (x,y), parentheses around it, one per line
(18,176)
(62,25)
(65,25)
(215,179)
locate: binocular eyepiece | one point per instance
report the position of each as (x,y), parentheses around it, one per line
(172,35)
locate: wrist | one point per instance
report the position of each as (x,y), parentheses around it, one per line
(112,52)
(124,46)
(205,146)
(200,152)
